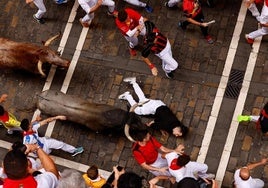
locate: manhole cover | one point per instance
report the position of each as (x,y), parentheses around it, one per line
(234,84)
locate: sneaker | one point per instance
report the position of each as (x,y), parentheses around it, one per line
(148,9)
(39,20)
(166,5)
(249,40)
(170,75)
(84,24)
(114,13)
(209,39)
(180,24)
(9,132)
(210,176)
(123,96)
(61,1)
(78,151)
(241,118)
(132,51)
(131,80)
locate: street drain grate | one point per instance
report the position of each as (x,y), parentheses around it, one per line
(234,84)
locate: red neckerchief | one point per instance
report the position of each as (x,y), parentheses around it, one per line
(28,132)
(173,165)
(4,117)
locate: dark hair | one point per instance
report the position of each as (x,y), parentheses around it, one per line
(25,124)
(16,164)
(138,135)
(149,27)
(184,130)
(122,15)
(18,145)
(129,180)
(2,110)
(93,172)
(183,160)
(188,183)
(266,108)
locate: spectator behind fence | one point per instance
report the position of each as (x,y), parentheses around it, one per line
(92,177)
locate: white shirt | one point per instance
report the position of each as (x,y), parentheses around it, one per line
(46,180)
(250,183)
(31,139)
(191,169)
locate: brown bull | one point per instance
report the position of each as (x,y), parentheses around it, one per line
(28,56)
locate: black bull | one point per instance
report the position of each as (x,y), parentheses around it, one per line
(96,117)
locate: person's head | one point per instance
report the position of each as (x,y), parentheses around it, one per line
(18,145)
(25,124)
(140,135)
(122,16)
(129,180)
(188,183)
(15,164)
(180,130)
(93,172)
(71,178)
(183,160)
(244,173)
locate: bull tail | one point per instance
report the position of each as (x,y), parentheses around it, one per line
(48,42)
(39,67)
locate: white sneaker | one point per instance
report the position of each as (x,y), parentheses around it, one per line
(131,80)
(123,96)
(9,131)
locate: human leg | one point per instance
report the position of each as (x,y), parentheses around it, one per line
(260,32)
(169,64)
(241,118)
(160,163)
(133,42)
(51,143)
(110,4)
(41,8)
(254,11)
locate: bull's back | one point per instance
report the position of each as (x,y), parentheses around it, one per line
(17,54)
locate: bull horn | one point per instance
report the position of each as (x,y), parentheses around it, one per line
(126,130)
(47,43)
(39,67)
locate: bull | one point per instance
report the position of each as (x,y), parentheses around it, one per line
(29,57)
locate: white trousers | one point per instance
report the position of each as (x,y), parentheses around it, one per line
(254,118)
(260,32)
(148,107)
(136,3)
(41,8)
(90,16)
(254,11)
(160,163)
(168,62)
(51,143)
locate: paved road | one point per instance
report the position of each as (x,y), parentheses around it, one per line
(193,95)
